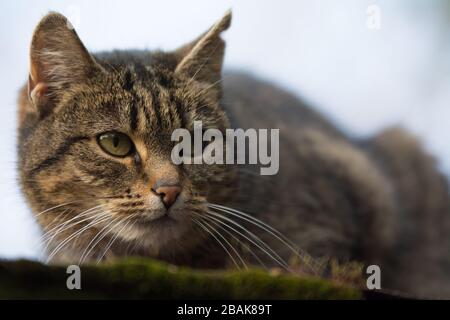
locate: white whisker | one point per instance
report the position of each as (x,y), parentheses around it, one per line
(96,221)
(55,207)
(224,239)
(110,243)
(277,258)
(264,226)
(48,236)
(218,241)
(239,241)
(100,235)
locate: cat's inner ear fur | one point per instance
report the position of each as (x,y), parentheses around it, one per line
(58,60)
(202,59)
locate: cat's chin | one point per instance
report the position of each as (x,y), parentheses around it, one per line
(165,231)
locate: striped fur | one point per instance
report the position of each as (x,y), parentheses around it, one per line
(379,201)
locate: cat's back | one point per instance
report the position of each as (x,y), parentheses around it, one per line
(380,200)
(254,103)
(325,183)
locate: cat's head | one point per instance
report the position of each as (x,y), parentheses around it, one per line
(97,135)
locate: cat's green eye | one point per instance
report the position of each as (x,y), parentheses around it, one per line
(115,143)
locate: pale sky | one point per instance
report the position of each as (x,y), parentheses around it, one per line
(323,51)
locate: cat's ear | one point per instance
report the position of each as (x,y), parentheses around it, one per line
(58,60)
(202,59)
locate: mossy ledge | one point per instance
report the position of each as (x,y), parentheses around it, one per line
(148,279)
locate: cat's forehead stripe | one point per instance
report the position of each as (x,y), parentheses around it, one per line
(154,92)
(133,116)
(157,108)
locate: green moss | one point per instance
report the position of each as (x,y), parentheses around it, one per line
(148,279)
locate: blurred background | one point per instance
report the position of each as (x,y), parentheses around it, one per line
(365,64)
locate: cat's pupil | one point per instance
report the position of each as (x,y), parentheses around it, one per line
(115,141)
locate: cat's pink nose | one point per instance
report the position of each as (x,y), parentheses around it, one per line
(168,194)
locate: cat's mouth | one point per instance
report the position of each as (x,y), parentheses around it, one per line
(165,219)
(160,219)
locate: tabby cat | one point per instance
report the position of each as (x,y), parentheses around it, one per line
(95,167)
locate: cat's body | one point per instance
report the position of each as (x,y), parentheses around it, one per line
(380,201)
